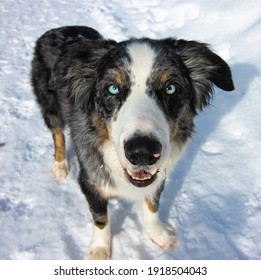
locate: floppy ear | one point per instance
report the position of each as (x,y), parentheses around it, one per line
(205,68)
(75,73)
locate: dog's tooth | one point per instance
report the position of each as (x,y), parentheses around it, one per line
(142,179)
(140,176)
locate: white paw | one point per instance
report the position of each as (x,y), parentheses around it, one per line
(163,235)
(160,233)
(61,169)
(100,248)
(99,253)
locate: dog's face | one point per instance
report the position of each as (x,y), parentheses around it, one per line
(143,94)
(146,92)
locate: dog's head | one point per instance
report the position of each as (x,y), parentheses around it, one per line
(146,92)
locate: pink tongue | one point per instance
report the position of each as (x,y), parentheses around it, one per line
(156,155)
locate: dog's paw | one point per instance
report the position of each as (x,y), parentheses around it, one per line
(100,247)
(61,169)
(164,235)
(99,253)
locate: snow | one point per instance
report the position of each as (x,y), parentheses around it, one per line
(213,197)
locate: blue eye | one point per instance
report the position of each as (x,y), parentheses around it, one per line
(171,89)
(113,89)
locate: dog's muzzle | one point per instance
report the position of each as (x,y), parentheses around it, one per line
(142,152)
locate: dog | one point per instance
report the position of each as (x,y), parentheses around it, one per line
(130,107)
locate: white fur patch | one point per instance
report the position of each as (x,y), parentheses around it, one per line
(100,247)
(61,169)
(142,59)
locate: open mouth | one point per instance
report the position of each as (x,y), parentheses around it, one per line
(141,178)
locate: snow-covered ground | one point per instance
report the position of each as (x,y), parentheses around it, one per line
(214,195)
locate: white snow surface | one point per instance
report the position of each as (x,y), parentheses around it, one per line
(213,197)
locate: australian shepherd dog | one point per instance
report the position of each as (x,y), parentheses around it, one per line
(130,107)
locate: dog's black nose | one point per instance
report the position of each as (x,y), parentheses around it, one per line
(142,150)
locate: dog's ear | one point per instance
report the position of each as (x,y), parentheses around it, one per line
(75,73)
(205,68)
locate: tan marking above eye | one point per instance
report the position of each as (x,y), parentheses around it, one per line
(118,76)
(164,76)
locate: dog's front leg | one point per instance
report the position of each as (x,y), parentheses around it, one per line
(100,247)
(162,234)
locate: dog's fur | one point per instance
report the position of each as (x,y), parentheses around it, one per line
(130,107)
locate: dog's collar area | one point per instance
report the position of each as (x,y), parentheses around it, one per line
(141,178)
